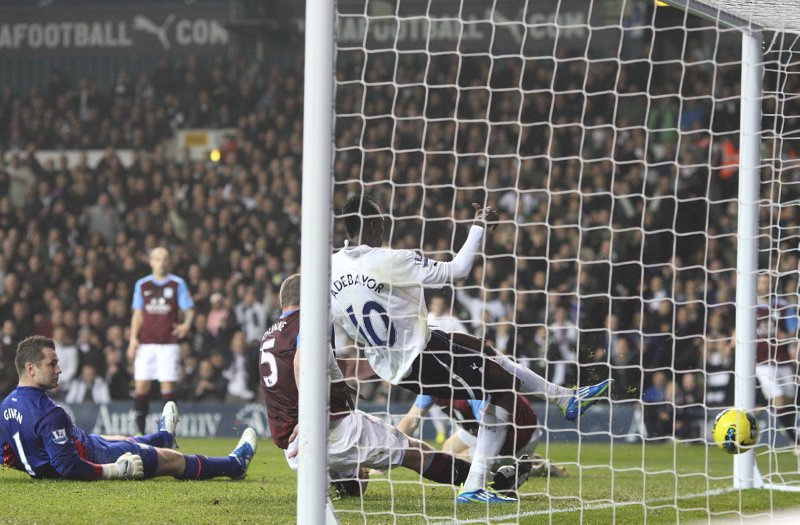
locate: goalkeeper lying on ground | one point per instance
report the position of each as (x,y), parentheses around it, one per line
(38,436)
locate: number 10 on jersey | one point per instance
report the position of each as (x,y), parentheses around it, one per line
(367,329)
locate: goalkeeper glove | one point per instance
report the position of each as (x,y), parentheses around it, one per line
(128,466)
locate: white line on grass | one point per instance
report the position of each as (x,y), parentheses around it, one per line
(589,507)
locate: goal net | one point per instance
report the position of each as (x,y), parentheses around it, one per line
(607,134)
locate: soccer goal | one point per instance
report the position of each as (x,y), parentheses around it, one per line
(645,160)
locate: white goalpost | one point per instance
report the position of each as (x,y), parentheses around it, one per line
(312,476)
(645,160)
(752,18)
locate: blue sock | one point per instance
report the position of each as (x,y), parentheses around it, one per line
(161,439)
(203,467)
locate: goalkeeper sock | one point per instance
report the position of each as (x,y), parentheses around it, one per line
(141,405)
(161,439)
(444,468)
(491,436)
(204,467)
(534,384)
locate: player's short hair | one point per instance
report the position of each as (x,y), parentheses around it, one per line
(290,291)
(357,210)
(29,350)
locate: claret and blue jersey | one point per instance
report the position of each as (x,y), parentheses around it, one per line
(39,437)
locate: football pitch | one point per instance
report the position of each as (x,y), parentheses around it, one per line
(605,485)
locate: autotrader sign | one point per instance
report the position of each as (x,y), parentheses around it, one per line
(58,30)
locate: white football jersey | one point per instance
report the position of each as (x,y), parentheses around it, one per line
(377,297)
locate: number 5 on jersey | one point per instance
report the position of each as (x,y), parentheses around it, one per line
(267,357)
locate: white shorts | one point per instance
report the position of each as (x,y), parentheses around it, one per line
(472,441)
(776,380)
(360,439)
(157,363)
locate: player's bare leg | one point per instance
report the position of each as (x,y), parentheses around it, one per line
(458,448)
(572,402)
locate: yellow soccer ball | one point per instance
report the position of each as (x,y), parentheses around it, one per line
(735,431)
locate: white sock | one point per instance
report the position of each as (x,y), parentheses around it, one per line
(491,436)
(534,384)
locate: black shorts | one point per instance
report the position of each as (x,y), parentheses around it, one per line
(447,369)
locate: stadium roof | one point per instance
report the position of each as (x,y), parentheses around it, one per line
(774,15)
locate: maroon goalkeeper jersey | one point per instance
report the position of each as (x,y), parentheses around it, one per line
(276,368)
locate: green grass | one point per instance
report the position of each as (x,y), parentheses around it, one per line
(663,475)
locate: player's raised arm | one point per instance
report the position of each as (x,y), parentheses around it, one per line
(408,267)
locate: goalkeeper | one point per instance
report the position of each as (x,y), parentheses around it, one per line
(38,437)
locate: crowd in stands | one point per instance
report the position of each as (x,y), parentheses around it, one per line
(615,254)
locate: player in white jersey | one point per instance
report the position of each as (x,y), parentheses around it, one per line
(377,298)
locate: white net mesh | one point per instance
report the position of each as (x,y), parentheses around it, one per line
(606,133)
(775,15)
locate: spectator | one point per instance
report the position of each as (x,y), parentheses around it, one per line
(117,375)
(690,408)
(88,387)
(441,317)
(103,218)
(209,385)
(203,344)
(23,179)
(68,358)
(237,374)
(720,376)
(8,348)
(625,367)
(660,418)
(252,317)
(219,317)
(563,341)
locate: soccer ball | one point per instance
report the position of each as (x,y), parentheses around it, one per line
(735,430)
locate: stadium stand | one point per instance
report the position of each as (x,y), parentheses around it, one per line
(74,239)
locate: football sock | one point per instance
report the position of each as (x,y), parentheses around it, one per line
(534,384)
(141,405)
(168,396)
(491,436)
(204,467)
(161,439)
(444,468)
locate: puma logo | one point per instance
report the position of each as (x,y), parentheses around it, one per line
(142,23)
